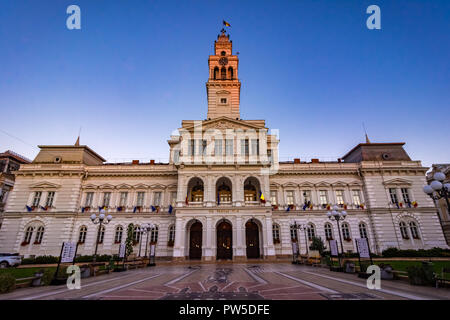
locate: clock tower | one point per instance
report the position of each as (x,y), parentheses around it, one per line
(223,87)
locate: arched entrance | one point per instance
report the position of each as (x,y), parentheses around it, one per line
(195,241)
(252,239)
(224,241)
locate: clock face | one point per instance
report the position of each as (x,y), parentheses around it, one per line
(223,61)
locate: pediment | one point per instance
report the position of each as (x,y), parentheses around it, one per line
(339,184)
(90,186)
(171,186)
(45,185)
(306,184)
(223,123)
(106,186)
(275,185)
(289,184)
(141,186)
(397,182)
(355,183)
(157,186)
(323,184)
(124,186)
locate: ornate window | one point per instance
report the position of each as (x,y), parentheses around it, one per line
(157,198)
(323,199)
(414,230)
(172,233)
(118,234)
(363,230)
(393,195)
(345,231)
(290,197)
(106,199)
(328,231)
(340,196)
(88,200)
(405,195)
(140,199)
(403,230)
(50,197)
(230,72)
(154,235)
(311,230)
(123,199)
(82,234)
(197,193)
(276,233)
(39,235)
(224,193)
(37,198)
(273,197)
(136,234)
(249,192)
(101,236)
(356,197)
(28,234)
(223,73)
(294,236)
(307,196)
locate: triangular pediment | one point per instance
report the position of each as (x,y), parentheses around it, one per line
(289,185)
(45,185)
(157,186)
(397,182)
(306,184)
(339,184)
(223,123)
(90,186)
(141,186)
(106,186)
(323,184)
(124,186)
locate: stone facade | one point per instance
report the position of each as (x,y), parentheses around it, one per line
(222,195)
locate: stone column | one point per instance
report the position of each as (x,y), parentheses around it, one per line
(269,252)
(178,249)
(208,252)
(240,246)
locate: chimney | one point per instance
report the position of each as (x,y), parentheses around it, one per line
(296,160)
(135,162)
(152,161)
(314,160)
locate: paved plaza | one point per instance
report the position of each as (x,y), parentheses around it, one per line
(227,281)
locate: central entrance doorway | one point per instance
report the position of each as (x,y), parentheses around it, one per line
(195,241)
(252,239)
(224,241)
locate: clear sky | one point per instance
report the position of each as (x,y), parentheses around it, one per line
(311,69)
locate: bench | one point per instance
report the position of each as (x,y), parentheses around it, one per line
(443,278)
(33,281)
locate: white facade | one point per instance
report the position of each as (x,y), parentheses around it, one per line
(214,187)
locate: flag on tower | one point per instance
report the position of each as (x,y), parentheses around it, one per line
(226,24)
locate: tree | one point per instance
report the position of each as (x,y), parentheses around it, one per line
(129,241)
(317,244)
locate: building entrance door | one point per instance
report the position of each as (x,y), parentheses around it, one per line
(252,239)
(224,241)
(195,241)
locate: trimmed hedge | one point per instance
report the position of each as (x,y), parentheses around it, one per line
(7,282)
(41,260)
(421,253)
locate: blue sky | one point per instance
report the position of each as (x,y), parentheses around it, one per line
(309,68)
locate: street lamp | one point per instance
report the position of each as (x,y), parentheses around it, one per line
(438,190)
(302,227)
(337,216)
(100,220)
(146,228)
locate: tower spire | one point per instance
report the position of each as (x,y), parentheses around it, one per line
(365,132)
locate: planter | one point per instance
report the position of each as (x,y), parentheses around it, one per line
(387,273)
(37,282)
(85,272)
(349,268)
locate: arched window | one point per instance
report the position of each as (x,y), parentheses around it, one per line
(172,233)
(294,236)
(328,231)
(223,73)
(276,233)
(39,235)
(101,236)
(230,73)
(28,234)
(346,231)
(216,73)
(414,230)
(249,192)
(154,235)
(136,234)
(118,234)
(82,235)
(403,230)
(224,192)
(363,230)
(311,231)
(195,186)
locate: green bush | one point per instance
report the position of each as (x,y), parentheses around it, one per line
(317,244)
(7,282)
(435,252)
(101,258)
(421,275)
(41,260)
(47,277)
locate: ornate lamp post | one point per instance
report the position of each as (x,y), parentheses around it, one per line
(438,190)
(146,228)
(302,227)
(337,216)
(100,220)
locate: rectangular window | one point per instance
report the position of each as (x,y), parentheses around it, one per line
(244,147)
(37,198)
(123,199)
(255,146)
(269,156)
(89,198)
(405,195)
(290,197)
(191,147)
(229,147)
(273,197)
(340,196)
(50,197)
(106,198)
(307,196)
(393,194)
(140,199)
(223,100)
(323,199)
(218,147)
(356,197)
(202,145)
(173,198)
(157,198)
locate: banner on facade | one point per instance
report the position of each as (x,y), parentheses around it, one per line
(334,248)
(122,248)
(68,252)
(152,250)
(363,248)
